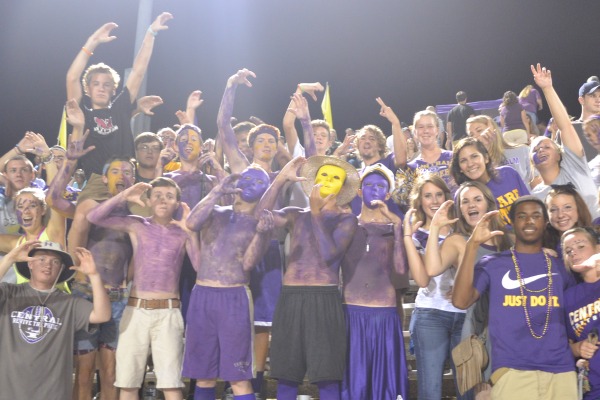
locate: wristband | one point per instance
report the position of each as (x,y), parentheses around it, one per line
(48,158)
(18,150)
(86,51)
(152,32)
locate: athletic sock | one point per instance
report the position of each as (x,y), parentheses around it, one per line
(204,393)
(287,390)
(329,390)
(257,382)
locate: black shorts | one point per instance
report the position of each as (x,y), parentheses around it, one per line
(309,335)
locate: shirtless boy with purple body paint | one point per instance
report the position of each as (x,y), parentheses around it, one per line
(376,364)
(308,327)
(152,316)
(233,239)
(111,250)
(265,278)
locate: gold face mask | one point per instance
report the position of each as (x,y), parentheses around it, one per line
(332,178)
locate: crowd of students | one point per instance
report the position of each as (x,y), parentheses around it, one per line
(215,255)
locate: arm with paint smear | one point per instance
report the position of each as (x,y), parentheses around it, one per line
(237,160)
(289,173)
(202,212)
(102,214)
(260,241)
(332,241)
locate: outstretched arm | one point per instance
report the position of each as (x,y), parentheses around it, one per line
(299,107)
(260,242)
(237,160)
(140,64)
(399,138)
(101,215)
(102,35)
(568,135)
(203,210)
(464,293)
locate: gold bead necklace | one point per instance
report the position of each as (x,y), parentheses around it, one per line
(522,288)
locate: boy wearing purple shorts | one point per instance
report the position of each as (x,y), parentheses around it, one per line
(219,334)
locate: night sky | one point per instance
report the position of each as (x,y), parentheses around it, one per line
(411,53)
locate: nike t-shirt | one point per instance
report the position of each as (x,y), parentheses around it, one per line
(519,306)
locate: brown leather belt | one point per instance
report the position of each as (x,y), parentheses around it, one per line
(153,304)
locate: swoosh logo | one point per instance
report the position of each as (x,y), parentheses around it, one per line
(510,284)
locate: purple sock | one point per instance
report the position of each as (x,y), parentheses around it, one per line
(204,393)
(257,382)
(287,390)
(249,396)
(329,390)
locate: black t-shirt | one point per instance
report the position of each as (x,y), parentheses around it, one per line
(458,116)
(110,132)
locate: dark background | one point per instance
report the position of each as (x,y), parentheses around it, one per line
(411,53)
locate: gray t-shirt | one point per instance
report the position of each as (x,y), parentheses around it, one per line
(38,363)
(518,159)
(594,166)
(8,225)
(575,170)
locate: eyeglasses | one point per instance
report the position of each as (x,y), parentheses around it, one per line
(149,149)
(54,262)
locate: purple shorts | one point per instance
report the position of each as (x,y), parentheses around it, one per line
(218,336)
(265,283)
(376,361)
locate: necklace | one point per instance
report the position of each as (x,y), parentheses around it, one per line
(523,288)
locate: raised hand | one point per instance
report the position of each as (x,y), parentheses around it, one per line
(134,193)
(290,170)
(316,202)
(482,232)
(381,206)
(440,218)
(194,100)
(592,262)
(408,227)
(541,76)
(34,144)
(86,265)
(74,114)
(266,222)
(103,34)
(300,108)
(346,146)
(160,22)
(311,89)
(146,103)
(21,252)
(241,78)
(228,185)
(182,117)
(387,112)
(75,148)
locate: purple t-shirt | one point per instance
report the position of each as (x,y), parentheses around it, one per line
(583,315)
(512,117)
(506,188)
(529,102)
(513,345)
(441,167)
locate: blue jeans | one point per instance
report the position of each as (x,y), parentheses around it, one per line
(434,333)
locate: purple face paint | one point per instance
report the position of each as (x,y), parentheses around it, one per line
(536,159)
(254,183)
(374,187)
